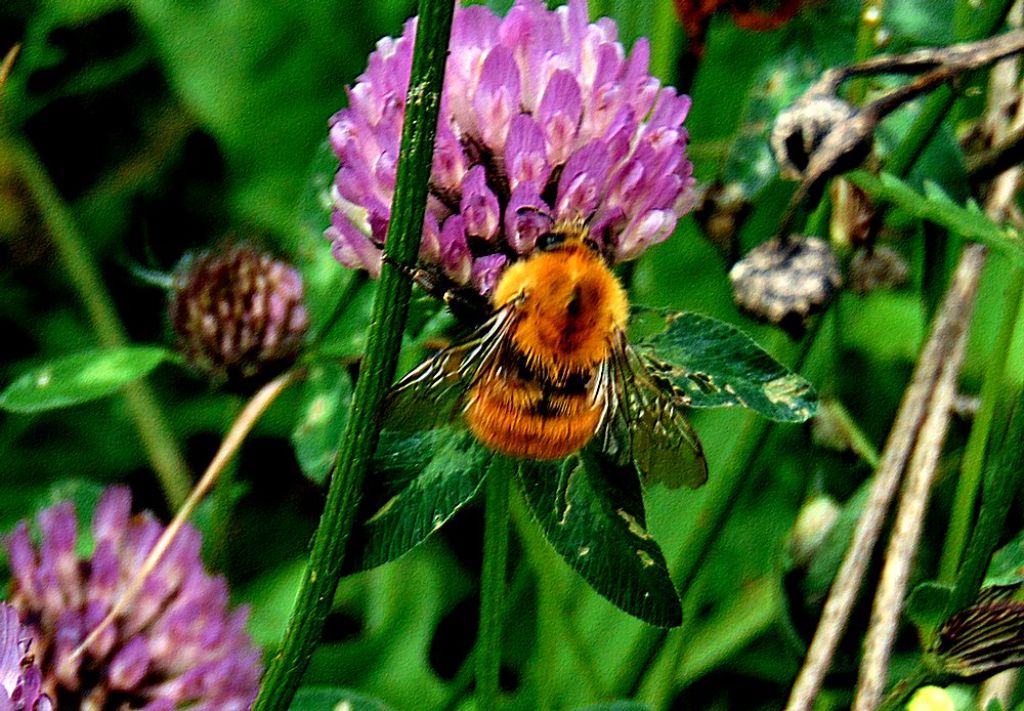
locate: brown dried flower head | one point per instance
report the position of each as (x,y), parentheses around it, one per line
(238,312)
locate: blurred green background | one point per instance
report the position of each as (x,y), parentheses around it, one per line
(168,126)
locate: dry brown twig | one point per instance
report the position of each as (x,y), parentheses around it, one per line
(928,400)
(906,534)
(239,430)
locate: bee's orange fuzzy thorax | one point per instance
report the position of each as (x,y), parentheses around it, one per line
(572,305)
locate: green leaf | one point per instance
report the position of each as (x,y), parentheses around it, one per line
(417,482)
(622,705)
(936,207)
(80,377)
(1007,564)
(325,698)
(926,606)
(717,365)
(326,399)
(593,515)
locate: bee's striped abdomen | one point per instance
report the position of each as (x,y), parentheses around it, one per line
(523,414)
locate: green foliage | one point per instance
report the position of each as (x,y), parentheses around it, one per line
(717,365)
(418,481)
(168,126)
(926,607)
(595,519)
(326,398)
(80,377)
(936,207)
(323,698)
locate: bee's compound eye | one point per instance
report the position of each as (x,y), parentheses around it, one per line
(592,245)
(550,240)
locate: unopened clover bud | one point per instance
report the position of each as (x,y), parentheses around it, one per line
(813,523)
(238,312)
(721,210)
(786,281)
(931,698)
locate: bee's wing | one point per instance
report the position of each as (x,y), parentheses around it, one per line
(433,393)
(644,421)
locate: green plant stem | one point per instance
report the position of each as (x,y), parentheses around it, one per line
(390,309)
(492,581)
(963,511)
(897,698)
(154,431)
(666,41)
(870,20)
(1002,482)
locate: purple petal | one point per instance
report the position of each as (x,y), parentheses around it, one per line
(486,272)
(526,154)
(497,97)
(559,115)
(527,217)
(583,179)
(479,207)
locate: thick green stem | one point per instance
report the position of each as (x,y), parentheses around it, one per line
(962,514)
(154,431)
(666,41)
(384,340)
(492,581)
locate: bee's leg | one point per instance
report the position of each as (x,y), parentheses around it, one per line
(424,278)
(465,303)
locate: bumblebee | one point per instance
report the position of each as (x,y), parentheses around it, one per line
(551,371)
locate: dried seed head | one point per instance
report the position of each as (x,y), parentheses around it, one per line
(784,282)
(238,312)
(880,267)
(801,129)
(721,211)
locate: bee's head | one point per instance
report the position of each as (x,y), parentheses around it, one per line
(574,231)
